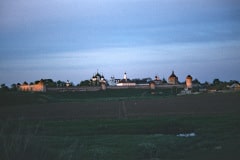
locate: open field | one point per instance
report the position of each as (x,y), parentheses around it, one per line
(141,126)
(125,107)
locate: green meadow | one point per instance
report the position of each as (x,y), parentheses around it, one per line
(18,98)
(205,136)
(216,137)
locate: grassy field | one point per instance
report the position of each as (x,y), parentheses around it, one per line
(16,98)
(216,135)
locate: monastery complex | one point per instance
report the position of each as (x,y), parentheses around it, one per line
(98,82)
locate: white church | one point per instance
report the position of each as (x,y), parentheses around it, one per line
(125,82)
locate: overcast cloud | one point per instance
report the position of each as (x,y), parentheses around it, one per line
(71,39)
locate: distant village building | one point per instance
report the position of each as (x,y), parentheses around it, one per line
(235,87)
(189,82)
(125,81)
(173,79)
(39,87)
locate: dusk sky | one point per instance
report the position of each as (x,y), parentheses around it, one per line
(72,39)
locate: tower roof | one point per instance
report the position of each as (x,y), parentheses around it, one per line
(98,75)
(189,77)
(172,75)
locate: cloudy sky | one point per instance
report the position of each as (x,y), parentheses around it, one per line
(72,39)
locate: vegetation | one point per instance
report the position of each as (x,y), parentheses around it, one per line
(16,98)
(217,137)
(85,83)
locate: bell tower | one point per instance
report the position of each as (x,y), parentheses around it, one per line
(125,76)
(189,82)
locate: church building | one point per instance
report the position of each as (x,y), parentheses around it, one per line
(97,80)
(125,81)
(173,79)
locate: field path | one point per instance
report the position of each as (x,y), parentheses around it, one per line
(123,110)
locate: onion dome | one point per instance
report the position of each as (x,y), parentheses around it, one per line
(172,75)
(189,77)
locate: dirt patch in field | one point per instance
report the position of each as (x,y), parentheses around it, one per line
(185,105)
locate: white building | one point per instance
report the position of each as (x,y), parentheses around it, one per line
(235,87)
(125,81)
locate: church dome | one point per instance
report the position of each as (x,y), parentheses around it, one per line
(97,75)
(189,81)
(172,75)
(189,77)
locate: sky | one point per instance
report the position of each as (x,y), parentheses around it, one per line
(73,39)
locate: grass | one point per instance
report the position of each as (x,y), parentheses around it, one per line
(143,138)
(217,137)
(17,98)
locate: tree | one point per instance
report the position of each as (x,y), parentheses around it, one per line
(14,87)
(164,81)
(196,81)
(25,83)
(72,84)
(231,82)
(4,88)
(219,85)
(85,83)
(49,82)
(216,82)
(206,84)
(59,83)
(3,85)
(36,82)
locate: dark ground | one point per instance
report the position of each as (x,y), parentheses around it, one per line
(203,104)
(110,125)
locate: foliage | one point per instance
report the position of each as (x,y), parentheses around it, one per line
(14,87)
(219,85)
(84,83)
(196,81)
(216,81)
(164,81)
(4,88)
